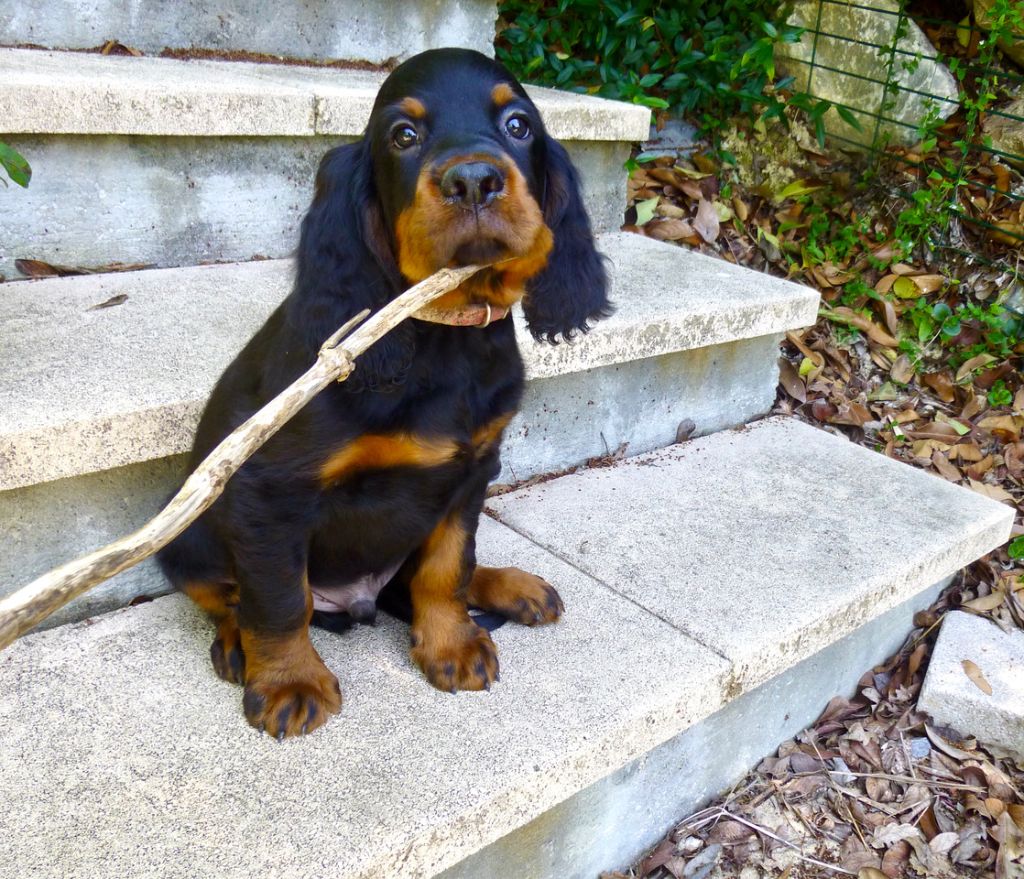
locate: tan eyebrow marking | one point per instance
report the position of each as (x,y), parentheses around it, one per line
(413,108)
(503,94)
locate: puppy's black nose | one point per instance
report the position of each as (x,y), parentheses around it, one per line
(472,184)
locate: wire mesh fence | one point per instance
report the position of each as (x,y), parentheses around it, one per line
(930,87)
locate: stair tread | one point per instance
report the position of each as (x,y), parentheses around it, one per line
(122,754)
(49,92)
(777,528)
(86,389)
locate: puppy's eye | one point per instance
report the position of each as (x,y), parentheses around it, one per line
(518,127)
(404,137)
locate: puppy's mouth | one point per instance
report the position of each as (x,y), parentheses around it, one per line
(479,251)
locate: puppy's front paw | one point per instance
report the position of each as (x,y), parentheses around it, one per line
(455,655)
(288,689)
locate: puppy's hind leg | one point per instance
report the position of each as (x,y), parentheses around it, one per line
(196,563)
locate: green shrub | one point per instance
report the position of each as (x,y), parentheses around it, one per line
(710,59)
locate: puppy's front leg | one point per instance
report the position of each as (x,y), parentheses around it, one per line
(288,689)
(453,651)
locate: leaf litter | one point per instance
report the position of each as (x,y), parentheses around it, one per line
(872,789)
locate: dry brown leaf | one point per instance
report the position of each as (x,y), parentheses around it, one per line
(667,209)
(974,405)
(1013,458)
(978,470)
(995,806)
(871,873)
(977,678)
(892,320)
(968,366)
(894,861)
(986,602)
(991,491)
(706,221)
(873,330)
(1006,427)
(946,470)
(730,833)
(885,283)
(902,370)
(929,283)
(669,230)
(942,384)
(790,379)
(966,451)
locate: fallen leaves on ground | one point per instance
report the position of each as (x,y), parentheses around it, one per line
(872,789)
(869,790)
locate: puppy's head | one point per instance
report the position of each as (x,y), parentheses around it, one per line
(465,172)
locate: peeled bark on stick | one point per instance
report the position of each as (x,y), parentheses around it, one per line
(31,604)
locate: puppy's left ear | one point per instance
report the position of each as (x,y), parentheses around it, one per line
(573,288)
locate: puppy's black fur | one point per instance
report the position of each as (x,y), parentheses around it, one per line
(385,474)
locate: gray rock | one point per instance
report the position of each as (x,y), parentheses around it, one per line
(1014,47)
(850,73)
(1006,132)
(990,707)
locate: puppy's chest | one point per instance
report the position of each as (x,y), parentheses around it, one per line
(445,433)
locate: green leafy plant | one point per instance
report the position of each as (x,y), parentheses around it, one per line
(707,58)
(15,165)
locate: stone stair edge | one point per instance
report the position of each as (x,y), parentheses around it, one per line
(74,93)
(130,425)
(776,443)
(686,683)
(689,680)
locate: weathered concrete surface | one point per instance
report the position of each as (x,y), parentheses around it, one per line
(634,407)
(178,201)
(45,525)
(606,825)
(121,754)
(638,405)
(953,699)
(76,397)
(604,728)
(346,29)
(766,543)
(858,72)
(68,93)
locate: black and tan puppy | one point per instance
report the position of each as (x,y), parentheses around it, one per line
(381,480)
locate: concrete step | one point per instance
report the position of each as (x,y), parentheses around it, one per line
(986,701)
(98,405)
(353,30)
(180,162)
(717,594)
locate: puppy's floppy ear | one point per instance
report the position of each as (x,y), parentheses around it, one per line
(573,289)
(344,264)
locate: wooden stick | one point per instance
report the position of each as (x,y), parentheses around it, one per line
(27,607)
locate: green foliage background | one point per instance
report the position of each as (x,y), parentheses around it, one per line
(709,59)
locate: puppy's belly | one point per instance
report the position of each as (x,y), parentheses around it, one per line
(342,597)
